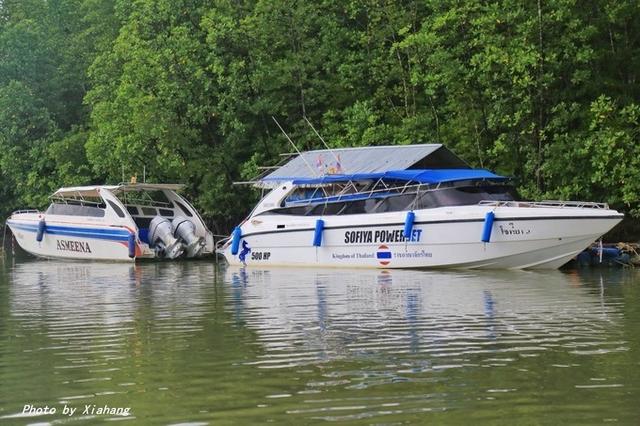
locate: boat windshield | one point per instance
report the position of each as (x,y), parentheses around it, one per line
(154,198)
(71,207)
(336,191)
(393,199)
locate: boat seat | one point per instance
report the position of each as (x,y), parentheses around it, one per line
(143,227)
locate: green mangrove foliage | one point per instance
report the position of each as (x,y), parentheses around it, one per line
(92,91)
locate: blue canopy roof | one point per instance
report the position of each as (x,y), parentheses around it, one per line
(441,175)
(430,176)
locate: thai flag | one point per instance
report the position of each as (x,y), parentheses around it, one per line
(383,255)
(320,164)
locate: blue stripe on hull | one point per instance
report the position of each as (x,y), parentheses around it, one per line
(94,233)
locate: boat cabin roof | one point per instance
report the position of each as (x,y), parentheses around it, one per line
(94,190)
(363,160)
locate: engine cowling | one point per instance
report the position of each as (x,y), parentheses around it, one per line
(185,230)
(162,240)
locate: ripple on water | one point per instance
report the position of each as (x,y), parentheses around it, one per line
(186,344)
(81,326)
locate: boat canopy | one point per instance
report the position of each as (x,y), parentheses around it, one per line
(139,187)
(94,190)
(424,176)
(365,160)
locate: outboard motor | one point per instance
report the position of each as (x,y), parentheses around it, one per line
(184,229)
(162,240)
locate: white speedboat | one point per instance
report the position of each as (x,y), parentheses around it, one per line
(116,222)
(416,206)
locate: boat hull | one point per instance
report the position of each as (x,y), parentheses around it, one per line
(73,241)
(104,223)
(447,238)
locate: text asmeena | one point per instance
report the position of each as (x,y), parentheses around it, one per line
(68,245)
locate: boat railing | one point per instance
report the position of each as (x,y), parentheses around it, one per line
(77,199)
(222,243)
(546,203)
(25,211)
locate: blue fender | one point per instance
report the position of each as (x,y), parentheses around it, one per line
(408,224)
(42,228)
(317,235)
(235,240)
(131,244)
(488,225)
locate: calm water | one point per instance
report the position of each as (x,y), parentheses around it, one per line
(193,343)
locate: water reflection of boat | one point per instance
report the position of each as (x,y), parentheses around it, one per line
(71,287)
(103,293)
(312,314)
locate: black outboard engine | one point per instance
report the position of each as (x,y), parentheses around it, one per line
(162,240)
(185,230)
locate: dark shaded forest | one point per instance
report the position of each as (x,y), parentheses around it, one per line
(94,90)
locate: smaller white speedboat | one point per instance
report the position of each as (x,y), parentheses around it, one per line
(114,222)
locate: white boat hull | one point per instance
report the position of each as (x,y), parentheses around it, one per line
(69,241)
(521,238)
